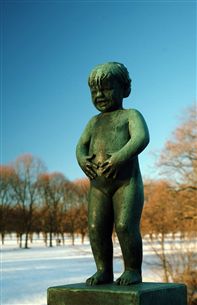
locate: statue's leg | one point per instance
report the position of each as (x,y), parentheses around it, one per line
(100,222)
(128,203)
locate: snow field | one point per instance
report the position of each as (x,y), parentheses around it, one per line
(27,273)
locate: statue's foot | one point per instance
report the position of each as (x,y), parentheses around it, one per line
(129,277)
(100,278)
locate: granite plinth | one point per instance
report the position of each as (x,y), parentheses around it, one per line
(111,294)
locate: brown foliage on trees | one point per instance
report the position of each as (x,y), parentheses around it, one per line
(7,178)
(178,159)
(157,219)
(52,188)
(169,218)
(76,216)
(82,186)
(170,229)
(27,169)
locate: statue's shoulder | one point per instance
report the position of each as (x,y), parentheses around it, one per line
(93,120)
(134,113)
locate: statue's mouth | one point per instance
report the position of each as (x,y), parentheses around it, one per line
(101,103)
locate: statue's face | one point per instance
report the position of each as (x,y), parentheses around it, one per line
(108,96)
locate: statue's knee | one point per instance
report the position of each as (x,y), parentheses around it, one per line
(121,228)
(127,229)
(94,229)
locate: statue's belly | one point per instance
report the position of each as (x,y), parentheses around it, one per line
(103,148)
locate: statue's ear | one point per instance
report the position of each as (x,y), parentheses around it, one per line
(127,91)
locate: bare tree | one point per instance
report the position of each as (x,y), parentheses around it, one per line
(157,221)
(74,216)
(178,159)
(82,189)
(7,178)
(27,169)
(177,203)
(170,232)
(52,190)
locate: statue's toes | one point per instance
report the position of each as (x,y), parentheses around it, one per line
(100,278)
(129,278)
(90,281)
(119,281)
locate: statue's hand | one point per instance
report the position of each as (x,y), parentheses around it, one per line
(111,166)
(89,167)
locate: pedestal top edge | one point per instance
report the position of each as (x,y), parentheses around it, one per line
(142,287)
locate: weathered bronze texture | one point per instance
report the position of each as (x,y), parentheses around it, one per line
(109,294)
(108,153)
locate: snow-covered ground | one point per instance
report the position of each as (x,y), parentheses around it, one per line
(26,274)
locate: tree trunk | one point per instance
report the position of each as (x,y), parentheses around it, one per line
(50,239)
(2,237)
(20,240)
(45,235)
(63,239)
(82,238)
(73,238)
(164,260)
(26,240)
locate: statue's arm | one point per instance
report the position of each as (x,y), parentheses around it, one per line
(139,136)
(82,151)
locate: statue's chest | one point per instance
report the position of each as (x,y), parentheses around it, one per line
(110,134)
(108,127)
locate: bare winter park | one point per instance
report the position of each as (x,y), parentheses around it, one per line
(98,152)
(66,264)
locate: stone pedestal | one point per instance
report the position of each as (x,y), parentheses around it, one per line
(111,294)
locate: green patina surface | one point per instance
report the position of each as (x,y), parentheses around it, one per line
(111,294)
(107,152)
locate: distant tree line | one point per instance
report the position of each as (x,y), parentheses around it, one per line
(35,201)
(171,206)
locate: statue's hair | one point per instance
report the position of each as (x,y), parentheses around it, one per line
(108,70)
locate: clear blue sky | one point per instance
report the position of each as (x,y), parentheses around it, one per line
(48,49)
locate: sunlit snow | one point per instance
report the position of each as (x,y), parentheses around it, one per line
(27,273)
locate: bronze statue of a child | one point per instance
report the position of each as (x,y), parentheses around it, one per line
(108,154)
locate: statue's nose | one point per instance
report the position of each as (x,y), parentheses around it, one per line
(99,93)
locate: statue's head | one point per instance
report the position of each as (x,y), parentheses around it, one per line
(109,84)
(111,70)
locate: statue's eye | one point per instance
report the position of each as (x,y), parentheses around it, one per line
(106,87)
(93,90)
